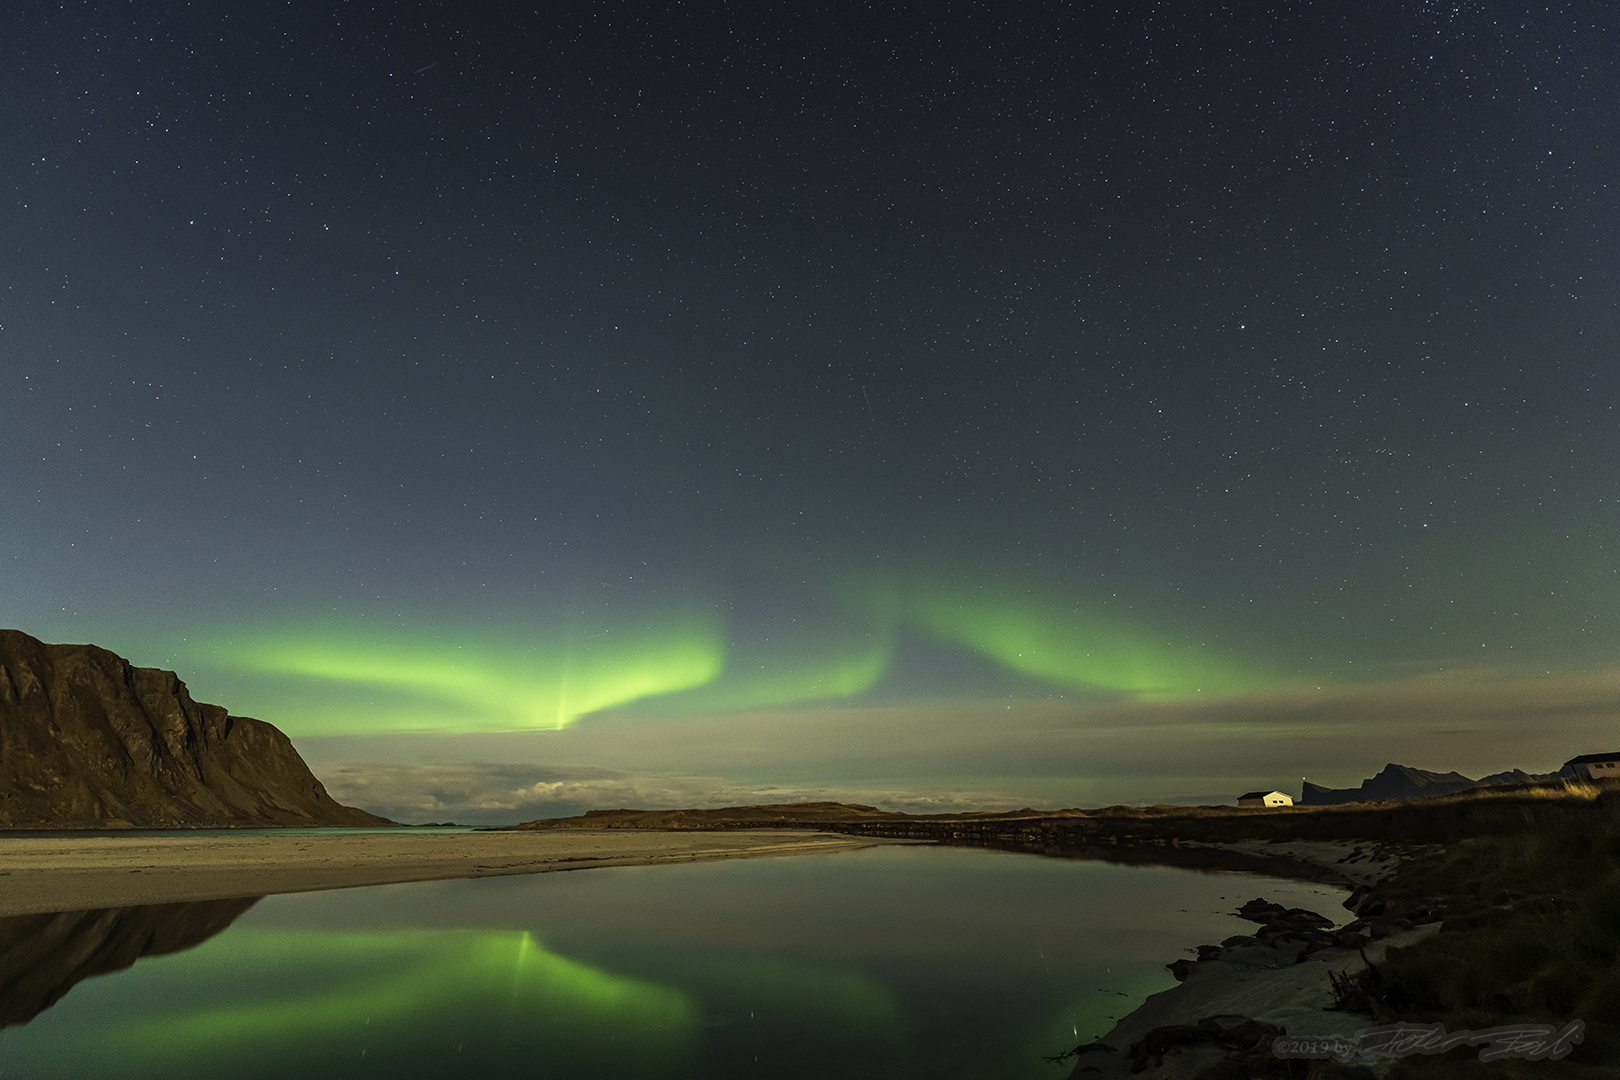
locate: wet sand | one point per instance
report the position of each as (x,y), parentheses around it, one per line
(67,872)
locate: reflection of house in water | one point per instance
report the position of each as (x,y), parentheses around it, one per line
(1265,798)
(1593,766)
(42,957)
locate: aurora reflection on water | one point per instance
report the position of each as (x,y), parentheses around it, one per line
(893,961)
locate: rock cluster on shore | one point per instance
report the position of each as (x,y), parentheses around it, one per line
(1295,975)
(88,741)
(1286,936)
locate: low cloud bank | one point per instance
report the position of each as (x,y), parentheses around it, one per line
(987,755)
(500,794)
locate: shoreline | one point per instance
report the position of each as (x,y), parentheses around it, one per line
(1521,874)
(1240,994)
(1252,1001)
(66,873)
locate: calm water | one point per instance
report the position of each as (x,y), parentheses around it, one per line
(888,962)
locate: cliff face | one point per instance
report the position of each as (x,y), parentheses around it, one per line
(89,742)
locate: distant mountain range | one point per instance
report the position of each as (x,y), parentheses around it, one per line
(1405,782)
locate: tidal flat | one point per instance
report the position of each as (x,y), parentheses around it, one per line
(893,961)
(902,948)
(70,871)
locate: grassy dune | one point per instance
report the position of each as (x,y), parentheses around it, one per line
(1530,934)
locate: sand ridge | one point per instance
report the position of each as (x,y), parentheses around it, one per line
(63,873)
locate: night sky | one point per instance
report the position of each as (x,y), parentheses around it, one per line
(939,406)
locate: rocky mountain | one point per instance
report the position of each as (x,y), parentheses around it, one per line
(1405,782)
(88,741)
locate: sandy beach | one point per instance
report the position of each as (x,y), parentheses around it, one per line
(63,873)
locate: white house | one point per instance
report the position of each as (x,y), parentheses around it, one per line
(1594,766)
(1265,798)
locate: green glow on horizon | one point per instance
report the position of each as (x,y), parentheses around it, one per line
(488,686)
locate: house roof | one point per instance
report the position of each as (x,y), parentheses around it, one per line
(1587,759)
(1263,794)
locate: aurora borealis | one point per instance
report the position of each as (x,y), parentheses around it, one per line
(483,686)
(940,406)
(508,683)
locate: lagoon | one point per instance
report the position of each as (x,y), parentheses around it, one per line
(891,961)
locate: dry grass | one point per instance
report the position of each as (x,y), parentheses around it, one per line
(1531,934)
(1578,789)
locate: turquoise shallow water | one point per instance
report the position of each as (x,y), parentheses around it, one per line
(887,962)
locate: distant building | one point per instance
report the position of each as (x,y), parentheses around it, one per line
(1270,798)
(1594,766)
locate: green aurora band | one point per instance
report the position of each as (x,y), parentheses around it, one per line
(774,673)
(1068,645)
(493,686)
(349,680)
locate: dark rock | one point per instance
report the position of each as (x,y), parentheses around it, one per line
(1286,936)
(89,742)
(1260,910)
(1264,911)
(1305,917)
(1239,1036)
(1350,937)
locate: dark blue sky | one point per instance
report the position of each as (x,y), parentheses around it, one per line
(816,358)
